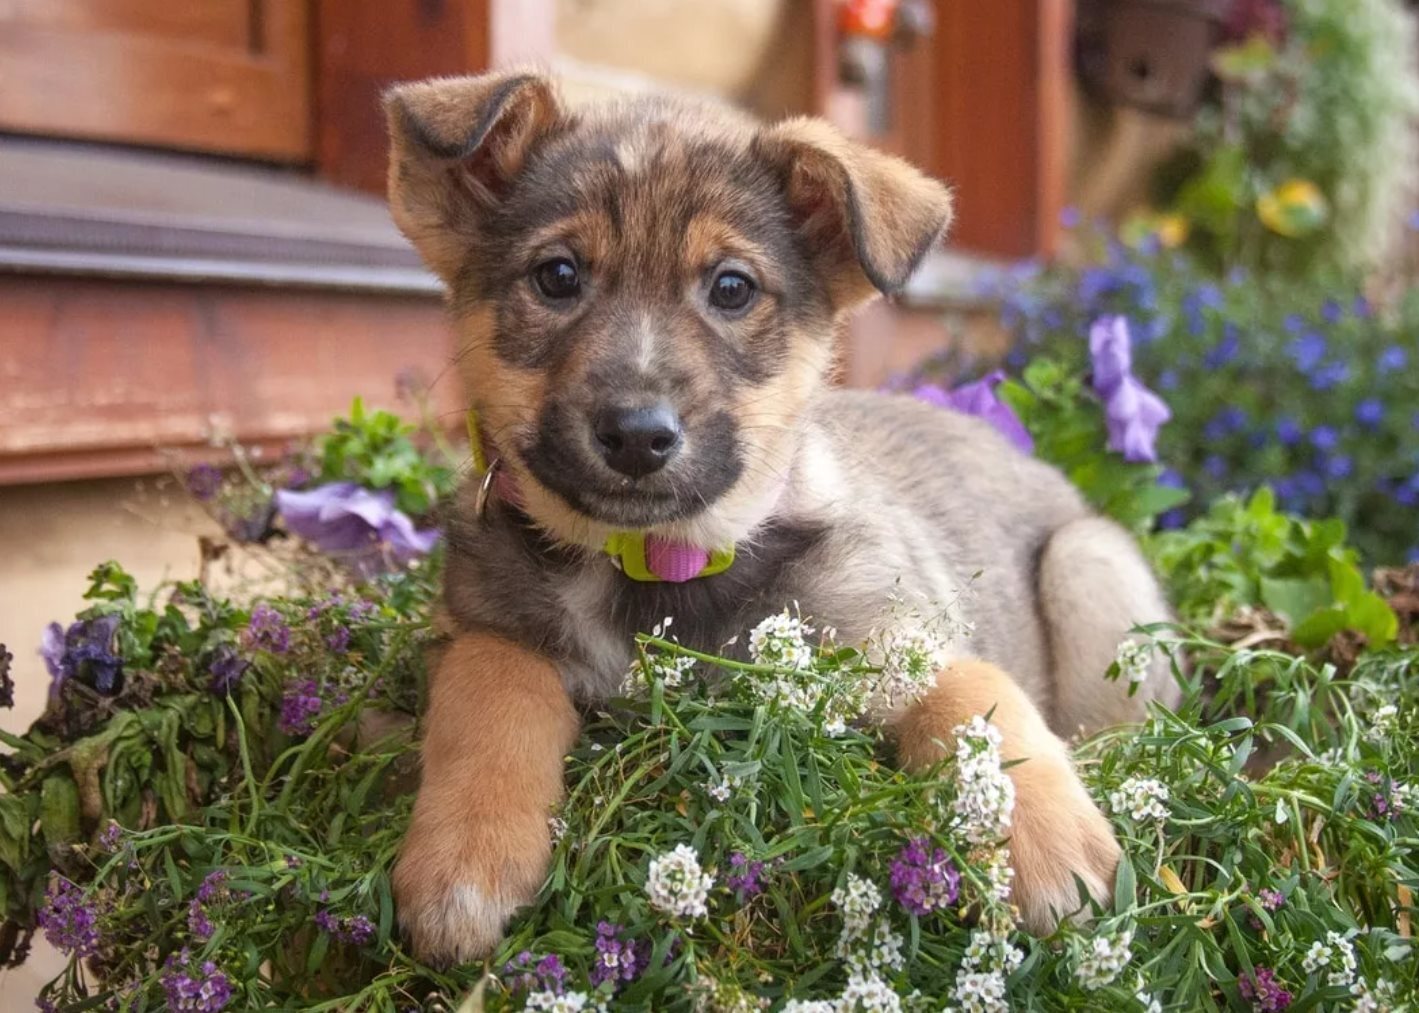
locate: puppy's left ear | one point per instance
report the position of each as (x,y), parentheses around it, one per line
(869,216)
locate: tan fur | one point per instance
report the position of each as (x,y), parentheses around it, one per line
(1057,832)
(498,726)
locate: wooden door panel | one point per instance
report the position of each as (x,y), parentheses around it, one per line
(228,76)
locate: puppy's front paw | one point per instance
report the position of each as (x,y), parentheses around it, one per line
(461,877)
(1058,834)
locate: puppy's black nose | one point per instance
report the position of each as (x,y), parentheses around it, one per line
(638,441)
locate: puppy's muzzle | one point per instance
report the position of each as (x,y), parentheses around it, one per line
(638,441)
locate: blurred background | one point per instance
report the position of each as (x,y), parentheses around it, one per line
(195,253)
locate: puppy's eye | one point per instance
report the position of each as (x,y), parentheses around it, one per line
(557,278)
(731,291)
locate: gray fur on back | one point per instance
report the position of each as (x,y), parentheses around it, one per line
(885,496)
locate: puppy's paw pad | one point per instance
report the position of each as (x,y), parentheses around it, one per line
(1057,844)
(453,925)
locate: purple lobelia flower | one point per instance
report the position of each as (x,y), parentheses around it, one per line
(979,399)
(69,920)
(923,878)
(226,667)
(354,523)
(204,481)
(1265,994)
(618,959)
(1134,414)
(200,988)
(266,630)
(86,649)
(744,877)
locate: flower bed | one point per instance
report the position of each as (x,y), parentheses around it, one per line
(208,813)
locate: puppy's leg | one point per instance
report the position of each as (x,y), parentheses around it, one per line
(499,723)
(1056,831)
(1094,587)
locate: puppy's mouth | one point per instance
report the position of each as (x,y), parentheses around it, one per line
(572,470)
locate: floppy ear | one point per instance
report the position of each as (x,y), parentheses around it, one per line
(870,216)
(455,145)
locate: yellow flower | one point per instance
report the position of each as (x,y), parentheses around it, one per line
(1295,208)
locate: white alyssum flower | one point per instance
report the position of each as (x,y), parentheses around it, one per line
(566,1002)
(908,654)
(1149,1002)
(1335,956)
(1100,960)
(810,1006)
(873,950)
(1135,660)
(1382,723)
(650,666)
(979,992)
(557,827)
(781,641)
(1377,998)
(1141,798)
(857,900)
(995,863)
(722,788)
(985,795)
(868,994)
(677,885)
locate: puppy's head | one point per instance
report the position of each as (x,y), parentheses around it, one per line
(646,295)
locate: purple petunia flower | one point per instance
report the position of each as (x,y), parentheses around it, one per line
(978,398)
(360,525)
(1266,994)
(744,877)
(198,988)
(618,959)
(924,879)
(1133,412)
(226,667)
(69,921)
(266,630)
(86,648)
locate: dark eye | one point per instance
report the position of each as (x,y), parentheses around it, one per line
(731,291)
(557,278)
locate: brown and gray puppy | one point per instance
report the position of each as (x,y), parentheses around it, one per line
(647,299)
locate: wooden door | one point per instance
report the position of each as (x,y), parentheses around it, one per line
(228,76)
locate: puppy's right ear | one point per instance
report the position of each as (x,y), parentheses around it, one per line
(456,143)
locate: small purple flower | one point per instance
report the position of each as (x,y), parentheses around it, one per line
(979,399)
(618,959)
(188,986)
(111,836)
(357,930)
(266,631)
(525,972)
(226,668)
(1324,437)
(1271,900)
(339,640)
(1133,412)
(301,705)
(1266,994)
(213,887)
(1385,802)
(1331,311)
(744,877)
(7,681)
(198,923)
(1308,350)
(347,520)
(1370,412)
(88,647)
(1070,217)
(1329,375)
(1393,359)
(1339,466)
(1288,431)
(70,922)
(204,481)
(924,879)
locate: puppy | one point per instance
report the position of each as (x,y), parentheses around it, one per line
(647,298)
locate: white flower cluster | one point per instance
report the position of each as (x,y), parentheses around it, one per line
(908,655)
(868,994)
(676,883)
(721,789)
(1335,956)
(649,666)
(712,996)
(781,641)
(980,980)
(1142,798)
(1381,997)
(1383,723)
(998,873)
(985,795)
(564,1002)
(1135,660)
(810,1006)
(857,901)
(1100,960)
